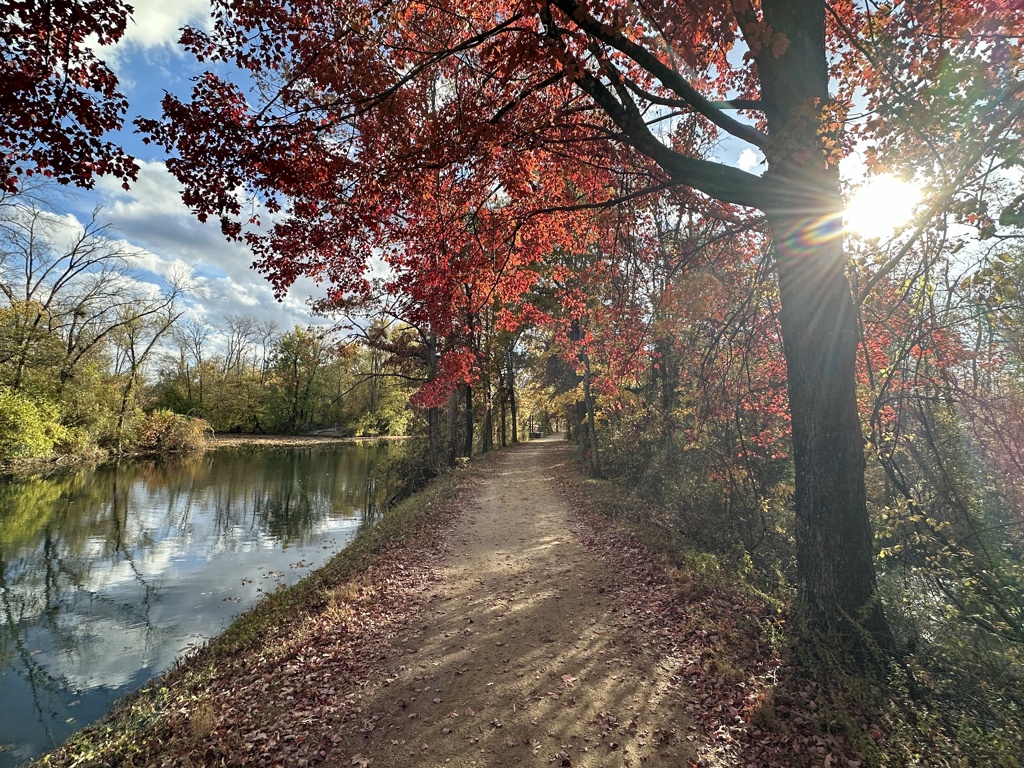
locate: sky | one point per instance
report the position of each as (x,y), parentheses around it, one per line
(150,217)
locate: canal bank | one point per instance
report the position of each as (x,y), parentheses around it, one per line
(177,705)
(479,623)
(109,574)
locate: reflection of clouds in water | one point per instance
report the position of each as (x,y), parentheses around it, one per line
(335,525)
(107,653)
(182,612)
(149,564)
(182,552)
(142,563)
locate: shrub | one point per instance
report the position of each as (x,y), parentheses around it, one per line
(28,428)
(164,431)
(404,472)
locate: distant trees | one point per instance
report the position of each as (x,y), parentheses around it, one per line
(88,350)
(298,363)
(258,379)
(67,290)
(76,325)
(226,389)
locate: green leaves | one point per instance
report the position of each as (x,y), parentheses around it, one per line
(28,428)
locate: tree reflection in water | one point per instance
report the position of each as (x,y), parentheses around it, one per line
(107,576)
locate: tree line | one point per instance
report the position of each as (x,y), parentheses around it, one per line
(95,358)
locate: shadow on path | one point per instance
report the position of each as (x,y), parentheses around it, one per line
(523,655)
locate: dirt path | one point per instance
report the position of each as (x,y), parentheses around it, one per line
(524,656)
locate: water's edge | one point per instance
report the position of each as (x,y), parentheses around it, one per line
(109,576)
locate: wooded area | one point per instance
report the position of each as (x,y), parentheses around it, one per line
(543,181)
(94,358)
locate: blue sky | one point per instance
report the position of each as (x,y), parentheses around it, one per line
(150,216)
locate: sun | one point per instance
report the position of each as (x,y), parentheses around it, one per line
(880,206)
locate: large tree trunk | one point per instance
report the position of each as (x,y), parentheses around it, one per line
(836,589)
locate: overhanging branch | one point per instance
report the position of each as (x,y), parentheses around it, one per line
(668,76)
(722,182)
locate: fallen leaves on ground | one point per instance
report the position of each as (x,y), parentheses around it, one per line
(297,697)
(722,634)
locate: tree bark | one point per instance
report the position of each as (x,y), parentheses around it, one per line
(452,447)
(503,404)
(433,413)
(467,448)
(836,589)
(487,426)
(513,406)
(588,400)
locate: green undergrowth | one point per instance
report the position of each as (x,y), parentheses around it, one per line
(730,571)
(156,710)
(813,708)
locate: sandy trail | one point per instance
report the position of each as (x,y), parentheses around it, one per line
(524,655)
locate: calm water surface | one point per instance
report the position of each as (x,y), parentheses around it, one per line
(107,576)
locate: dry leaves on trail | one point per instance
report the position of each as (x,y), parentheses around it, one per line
(749,707)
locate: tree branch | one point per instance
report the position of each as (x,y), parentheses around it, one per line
(668,77)
(723,182)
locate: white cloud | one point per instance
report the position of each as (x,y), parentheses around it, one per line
(152,218)
(153,25)
(243,295)
(749,159)
(156,23)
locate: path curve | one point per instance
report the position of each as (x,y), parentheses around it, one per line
(523,654)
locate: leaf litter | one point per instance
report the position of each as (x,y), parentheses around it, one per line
(585,651)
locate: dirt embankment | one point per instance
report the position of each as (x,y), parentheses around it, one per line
(227,440)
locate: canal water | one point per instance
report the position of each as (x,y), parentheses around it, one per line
(107,576)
